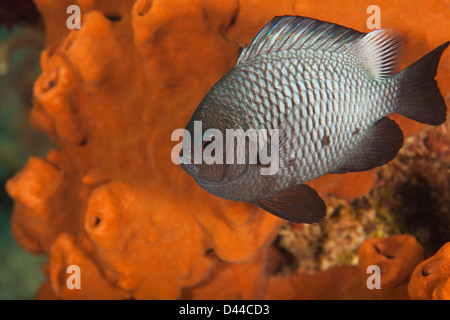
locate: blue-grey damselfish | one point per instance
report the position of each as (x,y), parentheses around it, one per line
(327,89)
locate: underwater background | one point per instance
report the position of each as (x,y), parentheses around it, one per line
(21,41)
(85,123)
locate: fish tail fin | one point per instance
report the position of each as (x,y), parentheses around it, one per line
(420,98)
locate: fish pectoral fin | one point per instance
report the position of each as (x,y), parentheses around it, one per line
(300,204)
(381,51)
(381,144)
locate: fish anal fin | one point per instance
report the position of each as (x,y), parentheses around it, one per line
(300,204)
(381,144)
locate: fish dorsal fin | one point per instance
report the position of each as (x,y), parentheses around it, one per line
(294,32)
(381,52)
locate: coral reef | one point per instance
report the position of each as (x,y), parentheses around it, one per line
(396,256)
(110,200)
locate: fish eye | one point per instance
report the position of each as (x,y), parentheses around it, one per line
(206,143)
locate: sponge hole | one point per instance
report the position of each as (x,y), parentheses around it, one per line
(143,7)
(51,81)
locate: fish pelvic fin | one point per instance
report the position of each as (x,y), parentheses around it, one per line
(300,204)
(420,98)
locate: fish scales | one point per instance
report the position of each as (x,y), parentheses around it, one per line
(264,96)
(319,101)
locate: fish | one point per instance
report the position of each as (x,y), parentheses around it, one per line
(321,93)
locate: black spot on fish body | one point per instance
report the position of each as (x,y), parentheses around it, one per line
(325,141)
